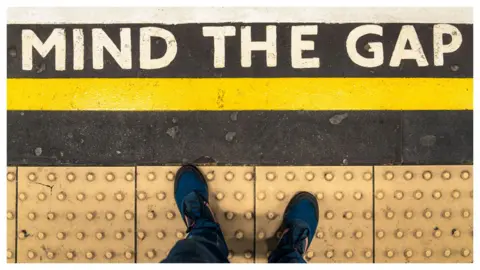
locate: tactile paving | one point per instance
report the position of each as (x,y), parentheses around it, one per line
(87,214)
(76,214)
(11,213)
(159,224)
(344,194)
(423,213)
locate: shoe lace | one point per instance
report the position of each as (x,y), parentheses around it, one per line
(196,209)
(296,237)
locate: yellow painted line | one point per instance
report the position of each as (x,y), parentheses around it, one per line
(217,94)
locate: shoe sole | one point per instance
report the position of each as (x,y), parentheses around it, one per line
(301,196)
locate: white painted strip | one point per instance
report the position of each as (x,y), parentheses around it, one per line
(178,15)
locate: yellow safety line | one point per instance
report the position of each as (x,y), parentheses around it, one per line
(217,94)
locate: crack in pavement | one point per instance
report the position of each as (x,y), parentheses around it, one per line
(45,185)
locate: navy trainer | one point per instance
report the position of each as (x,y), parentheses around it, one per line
(191,196)
(300,221)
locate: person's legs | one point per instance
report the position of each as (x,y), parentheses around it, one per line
(205,242)
(300,221)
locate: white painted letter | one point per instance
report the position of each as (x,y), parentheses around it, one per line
(375,47)
(299,45)
(122,56)
(270,46)
(438,47)
(78,49)
(146,61)
(408,34)
(55,40)
(218,33)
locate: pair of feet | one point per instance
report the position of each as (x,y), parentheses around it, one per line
(191,196)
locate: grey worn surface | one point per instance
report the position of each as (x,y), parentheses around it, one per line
(443,137)
(246,137)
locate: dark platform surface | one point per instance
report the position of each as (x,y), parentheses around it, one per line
(246,137)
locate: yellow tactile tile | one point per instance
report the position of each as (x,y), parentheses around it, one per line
(423,213)
(344,233)
(87,214)
(76,214)
(11,213)
(159,225)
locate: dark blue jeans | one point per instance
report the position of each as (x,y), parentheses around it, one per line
(205,244)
